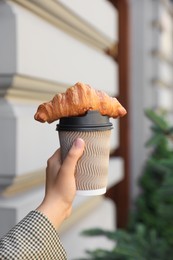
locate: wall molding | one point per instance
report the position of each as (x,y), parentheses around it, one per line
(24,87)
(60,16)
(161,83)
(13,186)
(168,5)
(162,56)
(157,24)
(81,211)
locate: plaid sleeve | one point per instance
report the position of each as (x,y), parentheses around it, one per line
(34,237)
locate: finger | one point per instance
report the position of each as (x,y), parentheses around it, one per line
(56,157)
(69,164)
(53,166)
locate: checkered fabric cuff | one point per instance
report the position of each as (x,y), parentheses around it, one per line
(34,237)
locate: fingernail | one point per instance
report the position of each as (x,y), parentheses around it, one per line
(79,143)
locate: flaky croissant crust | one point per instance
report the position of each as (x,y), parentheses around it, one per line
(76,101)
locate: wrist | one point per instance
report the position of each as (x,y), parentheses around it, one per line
(55,213)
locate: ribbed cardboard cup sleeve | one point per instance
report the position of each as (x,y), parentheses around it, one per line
(92,168)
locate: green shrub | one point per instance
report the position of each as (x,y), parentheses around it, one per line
(149,235)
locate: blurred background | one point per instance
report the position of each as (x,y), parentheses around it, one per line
(123,47)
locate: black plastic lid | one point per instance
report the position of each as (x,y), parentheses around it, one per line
(91,121)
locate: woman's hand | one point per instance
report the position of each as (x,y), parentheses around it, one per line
(60,184)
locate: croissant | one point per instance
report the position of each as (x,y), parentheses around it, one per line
(76,101)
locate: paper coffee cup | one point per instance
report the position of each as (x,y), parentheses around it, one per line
(92,168)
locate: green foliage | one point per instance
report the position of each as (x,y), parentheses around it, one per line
(149,235)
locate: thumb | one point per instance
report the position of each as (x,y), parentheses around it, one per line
(73,156)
